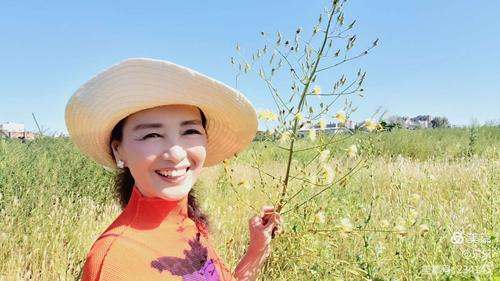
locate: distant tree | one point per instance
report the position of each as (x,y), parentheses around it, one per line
(396,121)
(440,122)
(389,126)
(492,123)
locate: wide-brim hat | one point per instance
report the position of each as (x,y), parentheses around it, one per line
(140,83)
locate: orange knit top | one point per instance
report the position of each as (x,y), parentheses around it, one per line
(154,239)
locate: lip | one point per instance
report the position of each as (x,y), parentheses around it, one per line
(173,168)
(177,180)
(172,181)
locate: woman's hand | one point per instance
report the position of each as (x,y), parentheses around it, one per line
(262,229)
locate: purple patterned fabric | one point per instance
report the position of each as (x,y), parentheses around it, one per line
(194,267)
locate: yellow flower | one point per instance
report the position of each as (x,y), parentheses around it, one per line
(370,125)
(285,137)
(414,199)
(401,229)
(345,225)
(352,151)
(384,223)
(328,174)
(317,90)
(267,115)
(320,216)
(423,229)
(299,116)
(413,215)
(312,179)
(323,155)
(271,115)
(322,124)
(340,115)
(312,134)
(245,184)
(400,226)
(263,115)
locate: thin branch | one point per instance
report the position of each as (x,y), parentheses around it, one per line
(330,142)
(346,60)
(262,183)
(323,190)
(292,68)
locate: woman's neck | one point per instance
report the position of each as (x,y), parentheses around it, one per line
(150,212)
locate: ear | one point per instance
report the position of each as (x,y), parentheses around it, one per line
(117,151)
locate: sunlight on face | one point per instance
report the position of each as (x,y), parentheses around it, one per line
(159,139)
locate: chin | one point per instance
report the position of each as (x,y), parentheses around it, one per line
(175,193)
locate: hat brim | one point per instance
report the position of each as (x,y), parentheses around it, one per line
(137,84)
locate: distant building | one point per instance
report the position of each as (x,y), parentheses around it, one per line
(15,131)
(420,121)
(330,128)
(11,127)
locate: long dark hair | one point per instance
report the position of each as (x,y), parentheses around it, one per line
(124,182)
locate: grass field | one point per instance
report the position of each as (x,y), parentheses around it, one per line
(424,206)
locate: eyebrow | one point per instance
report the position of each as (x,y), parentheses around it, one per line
(160,125)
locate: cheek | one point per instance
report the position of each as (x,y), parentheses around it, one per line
(198,154)
(142,152)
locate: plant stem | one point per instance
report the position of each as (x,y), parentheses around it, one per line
(299,109)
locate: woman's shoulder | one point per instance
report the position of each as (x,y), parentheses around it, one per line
(96,257)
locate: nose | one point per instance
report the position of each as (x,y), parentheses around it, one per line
(175,154)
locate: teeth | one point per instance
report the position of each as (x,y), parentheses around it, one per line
(173,173)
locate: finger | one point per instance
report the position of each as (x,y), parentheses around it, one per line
(278,229)
(266,209)
(268,217)
(272,222)
(255,220)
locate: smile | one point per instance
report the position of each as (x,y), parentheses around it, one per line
(173,176)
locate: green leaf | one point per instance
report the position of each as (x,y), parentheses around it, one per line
(352,24)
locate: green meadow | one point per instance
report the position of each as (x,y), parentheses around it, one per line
(423,205)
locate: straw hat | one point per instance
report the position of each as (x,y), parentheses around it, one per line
(140,83)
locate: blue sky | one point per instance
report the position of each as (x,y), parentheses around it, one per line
(435,57)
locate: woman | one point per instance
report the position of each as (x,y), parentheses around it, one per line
(159,124)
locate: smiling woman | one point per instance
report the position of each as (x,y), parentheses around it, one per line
(125,180)
(157,124)
(164,148)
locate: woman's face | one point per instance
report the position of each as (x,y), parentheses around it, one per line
(164,148)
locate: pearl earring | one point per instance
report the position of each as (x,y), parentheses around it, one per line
(120,164)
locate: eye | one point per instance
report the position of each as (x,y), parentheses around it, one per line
(192,131)
(150,135)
